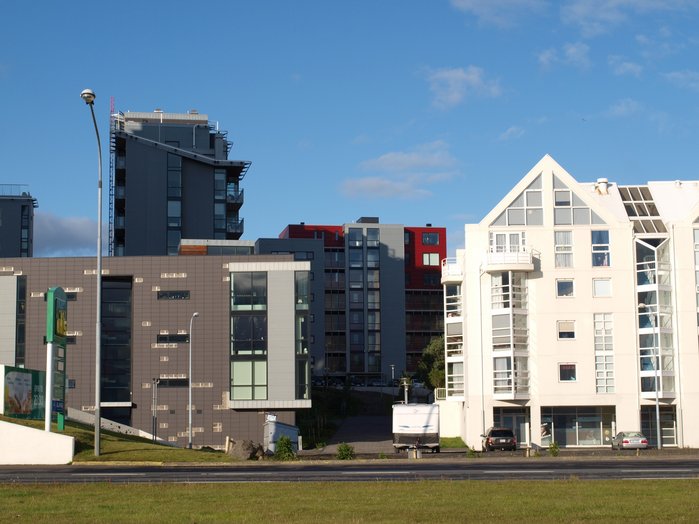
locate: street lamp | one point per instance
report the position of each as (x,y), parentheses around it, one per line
(88,95)
(189,425)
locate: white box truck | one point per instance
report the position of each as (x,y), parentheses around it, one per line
(416,426)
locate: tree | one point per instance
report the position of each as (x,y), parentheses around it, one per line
(431,366)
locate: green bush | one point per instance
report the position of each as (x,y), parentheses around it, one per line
(345,452)
(283,449)
(554,449)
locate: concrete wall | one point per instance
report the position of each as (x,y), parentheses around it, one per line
(23,445)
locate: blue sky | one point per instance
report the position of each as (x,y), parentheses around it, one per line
(415,111)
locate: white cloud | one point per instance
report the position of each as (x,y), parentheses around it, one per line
(451,86)
(406,174)
(571,54)
(687,79)
(425,156)
(621,67)
(56,236)
(379,187)
(511,132)
(500,13)
(624,108)
(595,17)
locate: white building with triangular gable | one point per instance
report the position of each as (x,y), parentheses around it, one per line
(566,303)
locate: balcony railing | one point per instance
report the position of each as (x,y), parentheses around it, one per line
(513,258)
(452,270)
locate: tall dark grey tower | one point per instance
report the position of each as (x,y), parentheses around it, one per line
(170,178)
(16,221)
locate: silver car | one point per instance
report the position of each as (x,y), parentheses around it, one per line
(629,440)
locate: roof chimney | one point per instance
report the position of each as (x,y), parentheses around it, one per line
(602,186)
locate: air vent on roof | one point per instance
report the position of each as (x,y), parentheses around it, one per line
(602,186)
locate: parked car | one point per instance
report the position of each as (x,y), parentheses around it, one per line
(499,438)
(629,440)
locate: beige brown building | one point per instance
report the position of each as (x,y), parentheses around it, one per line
(249,341)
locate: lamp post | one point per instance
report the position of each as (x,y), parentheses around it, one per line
(88,97)
(189,406)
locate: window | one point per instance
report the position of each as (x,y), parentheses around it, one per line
(372,237)
(249,380)
(564,288)
(249,291)
(601,287)
(355,238)
(430,259)
(249,334)
(372,257)
(600,248)
(173,338)
(566,372)
(355,258)
(563,241)
(566,329)
(182,294)
(430,239)
(356,278)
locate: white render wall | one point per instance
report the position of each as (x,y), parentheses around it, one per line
(23,445)
(678,204)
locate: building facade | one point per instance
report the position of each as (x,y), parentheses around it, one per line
(170,178)
(16,221)
(249,349)
(571,314)
(378,296)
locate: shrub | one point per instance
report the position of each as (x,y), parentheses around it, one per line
(345,452)
(554,449)
(283,449)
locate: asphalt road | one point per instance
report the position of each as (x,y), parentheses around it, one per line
(497,468)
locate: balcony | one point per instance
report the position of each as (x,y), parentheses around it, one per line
(235,197)
(515,258)
(452,270)
(235,227)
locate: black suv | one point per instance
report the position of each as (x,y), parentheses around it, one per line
(499,438)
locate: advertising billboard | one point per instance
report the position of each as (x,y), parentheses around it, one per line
(23,392)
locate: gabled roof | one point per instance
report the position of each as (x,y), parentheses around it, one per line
(607,206)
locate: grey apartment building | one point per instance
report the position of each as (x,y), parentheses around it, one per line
(170,178)
(378,299)
(249,342)
(16,221)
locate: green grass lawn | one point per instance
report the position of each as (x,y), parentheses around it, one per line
(399,502)
(118,447)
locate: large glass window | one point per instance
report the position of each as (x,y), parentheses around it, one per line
(354,237)
(356,258)
(372,237)
(563,241)
(249,380)
(600,248)
(249,334)
(430,239)
(372,257)
(249,291)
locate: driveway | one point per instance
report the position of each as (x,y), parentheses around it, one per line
(368,434)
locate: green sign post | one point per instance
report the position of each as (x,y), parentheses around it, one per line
(56,329)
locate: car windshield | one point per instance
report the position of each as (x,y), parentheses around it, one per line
(633,434)
(501,433)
